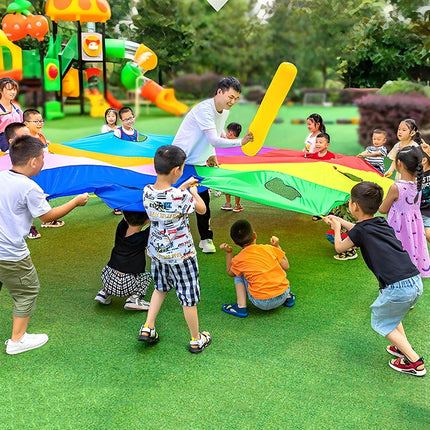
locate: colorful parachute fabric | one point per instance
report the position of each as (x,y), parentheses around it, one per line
(117,171)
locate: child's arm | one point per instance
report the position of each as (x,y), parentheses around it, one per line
(339,244)
(274,241)
(199,203)
(370,154)
(228,257)
(392,196)
(390,171)
(345,224)
(60,211)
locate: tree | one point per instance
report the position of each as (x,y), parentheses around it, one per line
(312,33)
(387,47)
(160,26)
(228,42)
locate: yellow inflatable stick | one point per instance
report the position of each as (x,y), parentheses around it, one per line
(272,101)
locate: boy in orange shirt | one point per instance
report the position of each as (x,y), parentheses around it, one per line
(259,271)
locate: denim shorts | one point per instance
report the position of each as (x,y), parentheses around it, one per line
(393,303)
(426,220)
(263,304)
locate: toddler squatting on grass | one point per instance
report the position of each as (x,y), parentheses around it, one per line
(400,284)
(259,271)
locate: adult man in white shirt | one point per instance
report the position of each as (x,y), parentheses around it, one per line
(201,131)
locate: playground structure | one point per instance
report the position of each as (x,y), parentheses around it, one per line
(62,68)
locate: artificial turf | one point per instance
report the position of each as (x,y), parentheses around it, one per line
(317,365)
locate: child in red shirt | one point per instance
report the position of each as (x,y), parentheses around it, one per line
(321,145)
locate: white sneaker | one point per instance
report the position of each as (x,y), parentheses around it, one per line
(134,303)
(103,298)
(26,343)
(207,246)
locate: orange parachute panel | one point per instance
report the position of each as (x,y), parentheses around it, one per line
(78,10)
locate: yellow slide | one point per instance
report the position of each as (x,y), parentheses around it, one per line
(272,101)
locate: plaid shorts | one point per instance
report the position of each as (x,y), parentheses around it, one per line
(184,277)
(125,284)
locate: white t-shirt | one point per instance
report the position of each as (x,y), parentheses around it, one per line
(106,128)
(21,200)
(200,131)
(170,239)
(310,143)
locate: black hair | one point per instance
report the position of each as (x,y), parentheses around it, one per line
(379,131)
(135,218)
(4,82)
(167,157)
(317,119)
(23,148)
(235,128)
(10,130)
(326,136)
(226,83)
(28,112)
(368,196)
(412,159)
(412,125)
(123,110)
(112,110)
(242,233)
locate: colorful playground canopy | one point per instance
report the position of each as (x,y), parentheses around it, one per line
(117,171)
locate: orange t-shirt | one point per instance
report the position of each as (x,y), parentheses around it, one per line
(260,264)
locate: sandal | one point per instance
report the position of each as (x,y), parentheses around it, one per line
(148,334)
(391,349)
(117,212)
(238,208)
(234,309)
(291,300)
(226,207)
(198,345)
(317,217)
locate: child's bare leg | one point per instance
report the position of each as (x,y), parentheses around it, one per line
(154,307)
(192,319)
(398,338)
(19,327)
(237,200)
(427,230)
(228,198)
(241,294)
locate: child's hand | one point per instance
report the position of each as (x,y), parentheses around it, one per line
(81,199)
(189,183)
(274,241)
(333,222)
(388,174)
(249,137)
(227,248)
(363,154)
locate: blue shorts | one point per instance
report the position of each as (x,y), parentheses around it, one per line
(426,220)
(393,303)
(263,304)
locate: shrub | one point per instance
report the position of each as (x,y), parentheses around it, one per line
(387,112)
(193,86)
(208,83)
(188,86)
(402,87)
(255,93)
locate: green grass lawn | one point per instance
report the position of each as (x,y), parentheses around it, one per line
(317,365)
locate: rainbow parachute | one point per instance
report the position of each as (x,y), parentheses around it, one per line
(117,170)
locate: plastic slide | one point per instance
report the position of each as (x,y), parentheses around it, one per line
(272,101)
(98,103)
(164,98)
(15,72)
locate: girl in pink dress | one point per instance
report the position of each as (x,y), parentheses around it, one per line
(9,112)
(403,207)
